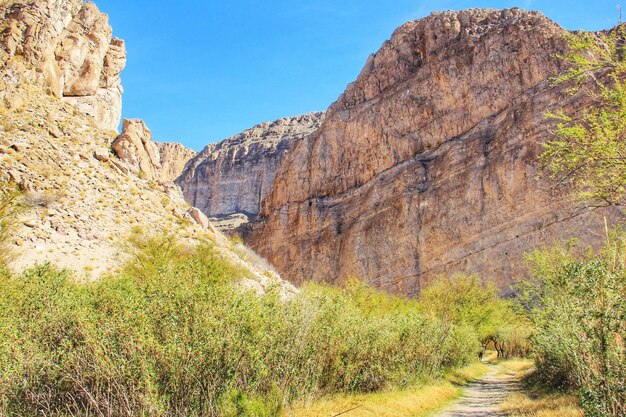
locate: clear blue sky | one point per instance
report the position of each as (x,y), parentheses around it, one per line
(201,70)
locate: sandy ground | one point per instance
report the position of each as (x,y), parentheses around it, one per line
(483,397)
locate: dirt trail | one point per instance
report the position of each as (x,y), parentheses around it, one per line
(483,397)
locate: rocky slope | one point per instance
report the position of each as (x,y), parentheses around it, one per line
(88,187)
(231,178)
(69,50)
(426,164)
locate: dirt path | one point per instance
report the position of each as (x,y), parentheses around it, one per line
(482,398)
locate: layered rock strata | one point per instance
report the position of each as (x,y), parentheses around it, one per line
(426,164)
(233,177)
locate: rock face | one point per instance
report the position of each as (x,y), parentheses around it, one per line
(174,157)
(84,200)
(426,164)
(151,160)
(235,175)
(134,146)
(69,45)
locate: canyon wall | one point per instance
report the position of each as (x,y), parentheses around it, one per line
(68,44)
(235,175)
(426,165)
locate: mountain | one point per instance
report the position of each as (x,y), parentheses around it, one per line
(228,180)
(426,164)
(174,157)
(87,186)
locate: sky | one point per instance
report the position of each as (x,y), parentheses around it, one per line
(199,71)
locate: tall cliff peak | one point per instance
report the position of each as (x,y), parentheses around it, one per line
(425,165)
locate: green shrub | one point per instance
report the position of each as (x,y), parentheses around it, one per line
(173,335)
(578,307)
(476,306)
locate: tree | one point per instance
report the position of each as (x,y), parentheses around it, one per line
(468,302)
(589,151)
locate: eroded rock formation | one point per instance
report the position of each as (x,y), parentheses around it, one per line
(426,164)
(69,46)
(134,146)
(174,157)
(235,175)
(83,199)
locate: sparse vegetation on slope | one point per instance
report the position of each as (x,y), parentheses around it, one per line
(10,207)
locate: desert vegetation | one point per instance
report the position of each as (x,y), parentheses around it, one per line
(577,304)
(577,297)
(174,334)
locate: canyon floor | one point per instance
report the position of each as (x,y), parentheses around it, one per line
(484,397)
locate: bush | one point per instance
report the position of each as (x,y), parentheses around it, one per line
(469,303)
(578,307)
(173,336)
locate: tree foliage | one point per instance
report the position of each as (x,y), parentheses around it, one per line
(476,306)
(589,149)
(577,303)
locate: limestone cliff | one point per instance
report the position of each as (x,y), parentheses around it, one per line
(86,186)
(235,175)
(69,49)
(174,157)
(426,164)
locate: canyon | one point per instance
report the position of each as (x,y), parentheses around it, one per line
(87,188)
(426,165)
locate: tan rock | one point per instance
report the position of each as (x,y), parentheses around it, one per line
(135,148)
(101,154)
(199,217)
(426,164)
(235,175)
(174,157)
(68,48)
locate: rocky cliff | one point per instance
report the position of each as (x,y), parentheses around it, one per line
(235,175)
(426,164)
(174,157)
(87,188)
(69,50)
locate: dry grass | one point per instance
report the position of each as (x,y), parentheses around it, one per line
(468,374)
(414,402)
(410,402)
(516,366)
(551,405)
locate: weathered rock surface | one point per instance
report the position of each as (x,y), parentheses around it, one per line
(70,49)
(134,146)
(426,164)
(84,200)
(174,157)
(235,175)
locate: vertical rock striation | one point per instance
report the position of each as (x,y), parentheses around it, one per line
(426,164)
(174,157)
(235,175)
